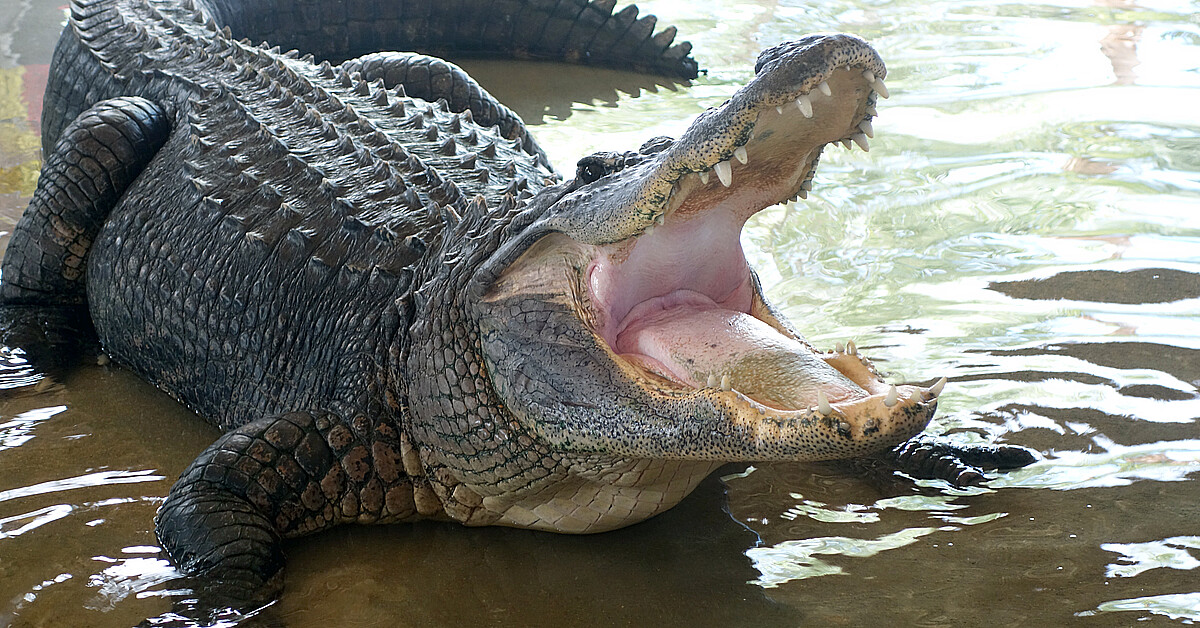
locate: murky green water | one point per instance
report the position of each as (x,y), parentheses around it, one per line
(1027,223)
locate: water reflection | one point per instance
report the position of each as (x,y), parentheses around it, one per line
(1183,606)
(128,576)
(797,560)
(1139,557)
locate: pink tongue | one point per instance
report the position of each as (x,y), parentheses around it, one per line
(687,337)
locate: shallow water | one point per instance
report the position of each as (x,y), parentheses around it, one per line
(1027,223)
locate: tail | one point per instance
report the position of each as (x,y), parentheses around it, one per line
(573,31)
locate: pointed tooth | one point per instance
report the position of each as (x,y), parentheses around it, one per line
(839,347)
(807,185)
(712,380)
(851,349)
(802,194)
(824,87)
(936,389)
(845,142)
(804,104)
(823,404)
(869,75)
(779,109)
(872,111)
(661,218)
(867,128)
(725,383)
(704,177)
(881,88)
(893,397)
(741,155)
(649,230)
(724,172)
(861,140)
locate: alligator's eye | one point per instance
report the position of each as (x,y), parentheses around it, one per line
(590,171)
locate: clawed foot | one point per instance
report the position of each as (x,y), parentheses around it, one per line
(927,458)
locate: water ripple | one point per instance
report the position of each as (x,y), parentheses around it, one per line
(1185,606)
(1169,553)
(33,520)
(19,430)
(99,478)
(797,560)
(1119,465)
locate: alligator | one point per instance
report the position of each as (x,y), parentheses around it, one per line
(367,274)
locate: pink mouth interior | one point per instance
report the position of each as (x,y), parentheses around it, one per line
(678,302)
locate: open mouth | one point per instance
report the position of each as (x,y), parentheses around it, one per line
(641,267)
(678,302)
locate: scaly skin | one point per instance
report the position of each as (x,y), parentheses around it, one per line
(394,308)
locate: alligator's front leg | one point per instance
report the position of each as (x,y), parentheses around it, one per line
(927,458)
(44,321)
(85,175)
(275,478)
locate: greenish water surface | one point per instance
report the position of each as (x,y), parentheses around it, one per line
(1027,223)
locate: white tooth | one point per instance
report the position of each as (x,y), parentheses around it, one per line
(839,347)
(867,128)
(804,104)
(802,194)
(712,380)
(845,143)
(807,185)
(704,177)
(861,140)
(724,172)
(823,404)
(880,87)
(869,75)
(872,111)
(893,397)
(725,383)
(824,87)
(936,389)
(662,218)
(649,230)
(851,349)
(741,155)
(779,108)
